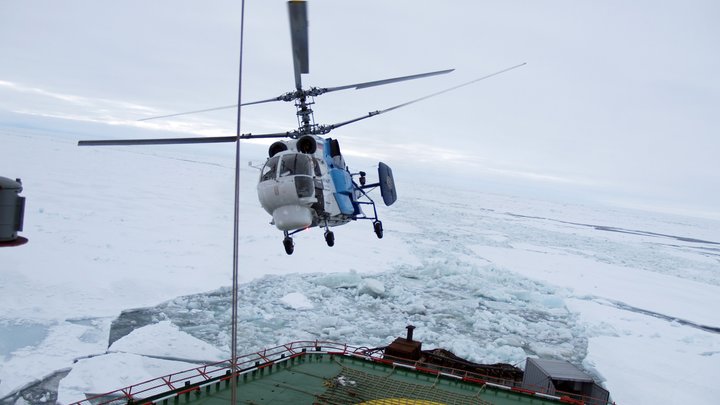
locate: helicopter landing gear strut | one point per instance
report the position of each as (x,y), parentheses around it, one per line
(377,226)
(329,238)
(288,244)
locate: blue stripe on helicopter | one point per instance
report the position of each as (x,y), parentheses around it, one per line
(343,187)
(342,181)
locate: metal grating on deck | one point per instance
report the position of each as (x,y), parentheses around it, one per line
(352,386)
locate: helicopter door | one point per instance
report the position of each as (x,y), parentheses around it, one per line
(319,206)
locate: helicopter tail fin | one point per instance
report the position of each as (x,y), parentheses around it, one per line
(387,184)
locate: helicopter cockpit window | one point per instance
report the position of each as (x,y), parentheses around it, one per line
(296,163)
(270,168)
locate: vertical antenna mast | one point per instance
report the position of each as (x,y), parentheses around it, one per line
(236,239)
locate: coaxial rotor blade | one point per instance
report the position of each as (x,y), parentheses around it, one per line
(178,141)
(359,86)
(329,128)
(312,92)
(212,109)
(297,10)
(160,141)
(189,112)
(288,134)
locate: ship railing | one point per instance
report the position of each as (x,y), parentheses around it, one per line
(193,381)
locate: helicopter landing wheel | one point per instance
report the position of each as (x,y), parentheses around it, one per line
(289,245)
(377,226)
(330,238)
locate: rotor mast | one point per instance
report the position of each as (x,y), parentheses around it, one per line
(306,120)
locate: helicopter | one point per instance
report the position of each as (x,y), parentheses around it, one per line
(305,181)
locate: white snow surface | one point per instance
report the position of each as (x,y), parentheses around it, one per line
(629,296)
(163,339)
(98,375)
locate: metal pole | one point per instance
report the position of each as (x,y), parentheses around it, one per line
(236,241)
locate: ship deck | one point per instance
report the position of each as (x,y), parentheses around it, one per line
(318,374)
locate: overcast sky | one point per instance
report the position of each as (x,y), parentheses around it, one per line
(619,101)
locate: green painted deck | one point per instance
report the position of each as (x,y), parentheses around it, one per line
(322,378)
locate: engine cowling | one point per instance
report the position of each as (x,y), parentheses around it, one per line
(276,148)
(306,144)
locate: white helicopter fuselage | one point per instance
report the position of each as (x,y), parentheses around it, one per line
(303,185)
